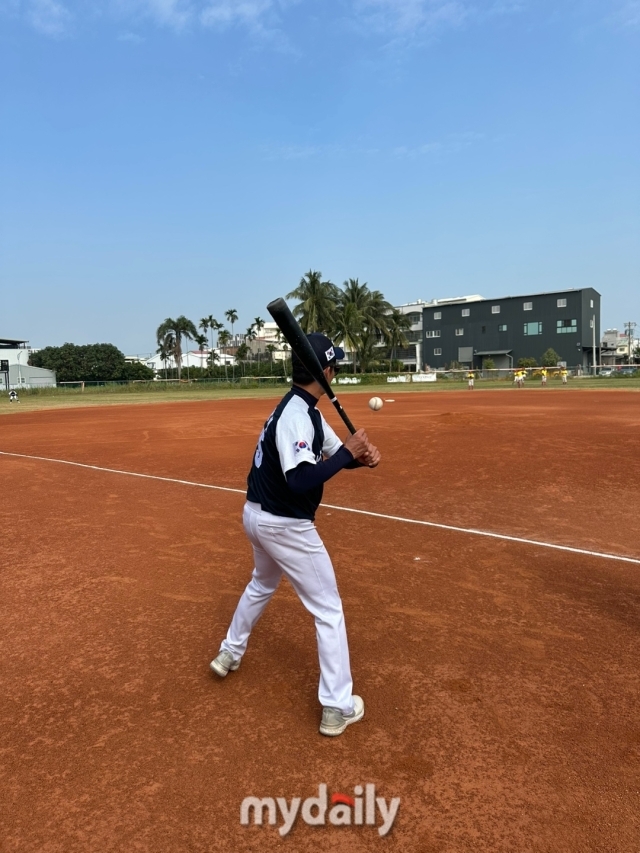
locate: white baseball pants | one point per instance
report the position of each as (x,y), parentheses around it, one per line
(292,546)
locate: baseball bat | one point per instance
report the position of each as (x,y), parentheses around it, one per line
(298,342)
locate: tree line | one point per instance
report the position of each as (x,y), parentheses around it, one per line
(354,316)
(89,363)
(171,332)
(359,318)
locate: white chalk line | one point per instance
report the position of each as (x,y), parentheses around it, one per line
(468,530)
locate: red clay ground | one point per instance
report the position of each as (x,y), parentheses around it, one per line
(501,679)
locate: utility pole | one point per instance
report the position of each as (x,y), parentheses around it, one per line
(629,327)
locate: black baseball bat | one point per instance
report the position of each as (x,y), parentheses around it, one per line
(298,342)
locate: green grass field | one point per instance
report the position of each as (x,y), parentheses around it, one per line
(137,394)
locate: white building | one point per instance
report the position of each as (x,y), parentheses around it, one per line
(269,335)
(16,372)
(615,347)
(411,355)
(191,358)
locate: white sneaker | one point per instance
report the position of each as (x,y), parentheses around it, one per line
(223,663)
(334,722)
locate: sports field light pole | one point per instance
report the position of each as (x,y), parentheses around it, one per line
(19,369)
(593,324)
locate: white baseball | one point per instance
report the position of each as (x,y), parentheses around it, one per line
(375,403)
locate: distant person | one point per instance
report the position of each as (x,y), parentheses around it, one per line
(564,373)
(13,397)
(471,376)
(543,376)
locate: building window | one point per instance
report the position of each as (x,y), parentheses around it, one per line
(466,312)
(437,315)
(459,333)
(561,303)
(495,309)
(566,327)
(533,328)
(527,306)
(592,303)
(502,327)
(433,333)
(437,351)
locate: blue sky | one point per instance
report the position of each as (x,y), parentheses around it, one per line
(165,157)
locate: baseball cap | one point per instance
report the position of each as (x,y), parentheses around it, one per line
(325,349)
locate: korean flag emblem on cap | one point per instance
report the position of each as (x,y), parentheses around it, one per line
(330,354)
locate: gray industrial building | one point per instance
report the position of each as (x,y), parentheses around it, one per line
(471,331)
(15,370)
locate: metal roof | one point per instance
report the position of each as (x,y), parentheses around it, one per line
(10,343)
(493,352)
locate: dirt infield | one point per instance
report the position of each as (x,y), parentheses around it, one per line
(500,678)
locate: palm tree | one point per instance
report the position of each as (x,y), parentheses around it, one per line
(224,336)
(348,328)
(377,313)
(241,354)
(250,335)
(213,357)
(258,325)
(201,340)
(165,350)
(232,316)
(317,305)
(271,349)
(367,350)
(397,324)
(210,322)
(177,328)
(361,318)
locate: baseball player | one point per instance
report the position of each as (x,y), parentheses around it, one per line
(470,377)
(13,397)
(543,374)
(564,373)
(296,453)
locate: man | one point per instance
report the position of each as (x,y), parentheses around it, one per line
(13,397)
(470,377)
(297,452)
(564,374)
(543,375)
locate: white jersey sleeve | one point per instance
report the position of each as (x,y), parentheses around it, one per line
(294,437)
(332,443)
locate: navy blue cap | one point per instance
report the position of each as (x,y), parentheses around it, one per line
(325,349)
